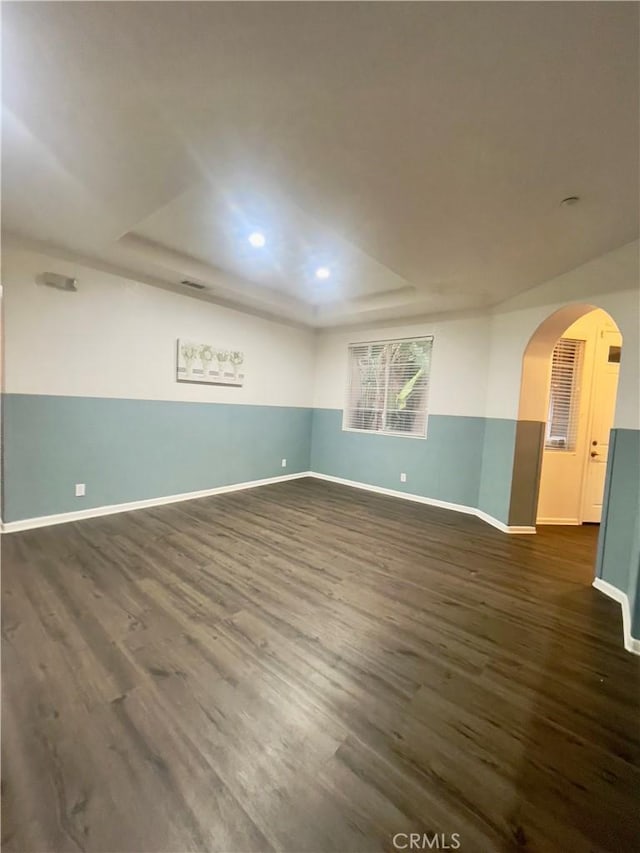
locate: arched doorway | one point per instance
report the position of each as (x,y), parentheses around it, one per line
(567,401)
(585,364)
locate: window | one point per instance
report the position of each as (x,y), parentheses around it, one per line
(564,397)
(388,385)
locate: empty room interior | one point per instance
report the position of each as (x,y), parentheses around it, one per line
(320,458)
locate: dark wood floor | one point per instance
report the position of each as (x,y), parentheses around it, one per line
(306,667)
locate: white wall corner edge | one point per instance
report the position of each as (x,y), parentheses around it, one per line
(631,644)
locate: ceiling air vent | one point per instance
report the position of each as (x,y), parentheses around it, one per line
(193,284)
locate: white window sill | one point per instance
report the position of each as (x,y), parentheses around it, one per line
(386,432)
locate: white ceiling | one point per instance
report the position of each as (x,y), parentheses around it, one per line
(420,150)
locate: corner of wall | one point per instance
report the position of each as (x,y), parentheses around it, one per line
(527,469)
(494,493)
(618,559)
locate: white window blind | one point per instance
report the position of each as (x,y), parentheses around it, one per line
(388,387)
(564,397)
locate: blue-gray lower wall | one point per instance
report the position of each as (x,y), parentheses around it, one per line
(510,476)
(498,447)
(129,450)
(619,545)
(445,467)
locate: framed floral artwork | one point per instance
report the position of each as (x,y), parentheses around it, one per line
(198,362)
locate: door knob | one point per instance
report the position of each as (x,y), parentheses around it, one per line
(593,453)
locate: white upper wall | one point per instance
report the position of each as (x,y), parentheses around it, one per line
(458,368)
(117,338)
(477,361)
(610,282)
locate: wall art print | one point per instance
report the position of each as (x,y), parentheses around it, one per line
(206,363)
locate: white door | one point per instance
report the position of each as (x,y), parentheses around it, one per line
(603,404)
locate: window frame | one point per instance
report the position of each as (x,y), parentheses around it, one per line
(384,342)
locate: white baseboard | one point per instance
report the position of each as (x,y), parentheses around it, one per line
(564,522)
(506,528)
(407,496)
(112,509)
(631,644)
(94,512)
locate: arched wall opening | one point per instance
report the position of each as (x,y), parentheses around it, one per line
(533,410)
(536,361)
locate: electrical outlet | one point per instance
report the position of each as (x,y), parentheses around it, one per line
(80,490)
(284,463)
(403,478)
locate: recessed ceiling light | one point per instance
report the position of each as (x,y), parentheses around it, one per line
(569,200)
(257,240)
(323,272)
